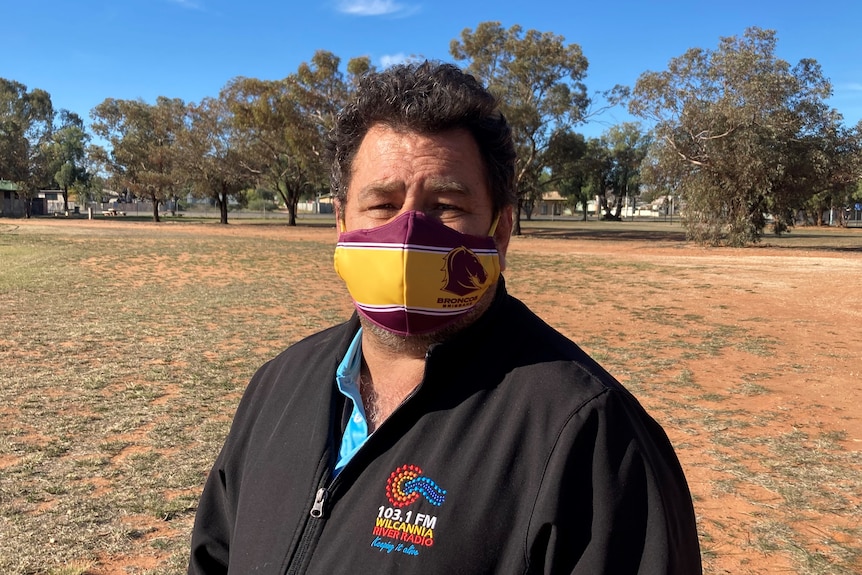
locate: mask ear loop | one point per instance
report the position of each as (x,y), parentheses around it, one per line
(339,215)
(493,229)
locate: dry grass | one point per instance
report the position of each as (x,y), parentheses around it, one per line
(125,348)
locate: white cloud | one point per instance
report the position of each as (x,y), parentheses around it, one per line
(388,60)
(374,8)
(190,4)
(847,91)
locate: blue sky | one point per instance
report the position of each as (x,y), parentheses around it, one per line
(84,51)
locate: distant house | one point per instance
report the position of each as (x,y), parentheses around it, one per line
(54,201)
(665,205)
(551,204)
(321,204)
(8,195)
(11,205)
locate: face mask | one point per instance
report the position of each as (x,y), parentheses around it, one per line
(414,275)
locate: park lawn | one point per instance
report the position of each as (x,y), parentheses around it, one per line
(125,347)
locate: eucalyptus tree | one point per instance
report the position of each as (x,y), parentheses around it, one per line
(565,158)
(539,80)
(284,123)
(281,145)
(727,123)
(67,153)
(832,174)
(627,148)
(321,89)
(208,159)
(142,136)
(26,122)
(598,168)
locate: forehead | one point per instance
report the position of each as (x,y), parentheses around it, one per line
(394,155)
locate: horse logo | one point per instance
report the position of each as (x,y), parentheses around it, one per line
(464,272)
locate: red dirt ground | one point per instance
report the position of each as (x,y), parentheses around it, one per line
(804,303)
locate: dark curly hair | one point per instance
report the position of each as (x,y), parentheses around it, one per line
(425,98)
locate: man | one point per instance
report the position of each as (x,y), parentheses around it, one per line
(444,428)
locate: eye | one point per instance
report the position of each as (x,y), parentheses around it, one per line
(447,208)
(382,207)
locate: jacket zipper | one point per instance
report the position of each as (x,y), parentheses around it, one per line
(319,501)
(310,533)
(314,523)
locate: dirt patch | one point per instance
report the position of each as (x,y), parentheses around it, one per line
(780,378)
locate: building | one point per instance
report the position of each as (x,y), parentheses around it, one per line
(9,202)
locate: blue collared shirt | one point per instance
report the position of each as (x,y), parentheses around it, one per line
(347,380)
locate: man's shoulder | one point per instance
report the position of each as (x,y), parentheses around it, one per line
(314,354)
(329,339)
(548,365)
(533,340)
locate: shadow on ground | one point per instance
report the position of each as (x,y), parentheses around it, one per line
(619,234)
(842,240)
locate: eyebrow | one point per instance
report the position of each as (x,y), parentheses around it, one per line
(377,190)
(380,189)
(440,185)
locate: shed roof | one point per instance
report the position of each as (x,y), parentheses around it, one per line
(553,196)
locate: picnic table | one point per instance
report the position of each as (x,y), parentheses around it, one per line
(112,212)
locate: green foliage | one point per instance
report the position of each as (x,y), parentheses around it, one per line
(66,153)
(741,134)
(627,149)
(741,137)
(142,138)
(259,200)
(539,80)
(566,159)
(26,119)
(283,123)
(209,155)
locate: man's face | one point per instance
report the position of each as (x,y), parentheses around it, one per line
(441,175)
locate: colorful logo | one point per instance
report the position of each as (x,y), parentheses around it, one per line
(464,272)
(407,483)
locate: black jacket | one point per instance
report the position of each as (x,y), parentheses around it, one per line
(517,454)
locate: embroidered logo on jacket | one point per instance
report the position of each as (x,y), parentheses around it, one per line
(407,531)
(407,483)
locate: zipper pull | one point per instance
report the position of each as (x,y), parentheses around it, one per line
(319,502)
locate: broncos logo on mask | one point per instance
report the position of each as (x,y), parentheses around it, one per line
(464,272)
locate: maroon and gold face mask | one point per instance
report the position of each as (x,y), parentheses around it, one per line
(414,275)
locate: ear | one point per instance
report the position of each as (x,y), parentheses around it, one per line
(503,233)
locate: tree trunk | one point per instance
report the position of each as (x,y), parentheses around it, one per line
(65,200)
(603,207)
(516,229)
(155,208)
(290,202)
(222,206)
(293,205)
(528,209)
